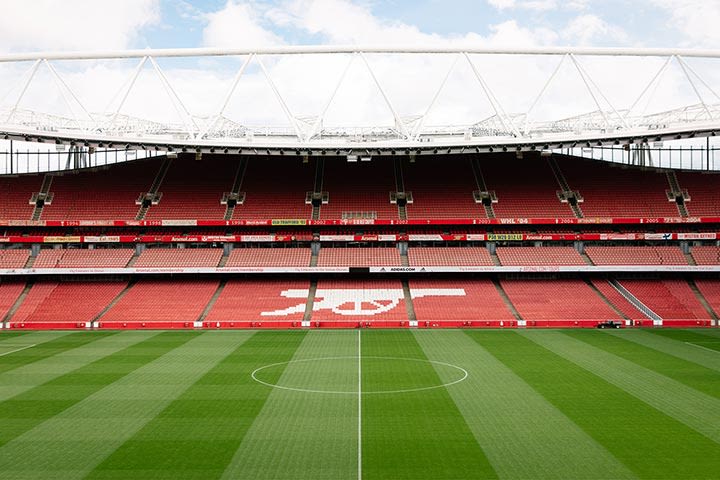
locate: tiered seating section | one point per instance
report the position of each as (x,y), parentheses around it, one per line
(359,257)
(10,290)
(539,256)
(13,258)
(458,300)
(269,257)
(704,193)
(449,256)
(670,299)
(345,301)
(83,258)
(441,188)
(710,289)
(362,188)
(260,300)
(706,255)
(15,194)
(179,257)
(636,255)
(193,189)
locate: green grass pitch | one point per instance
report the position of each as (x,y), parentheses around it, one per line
(370,404)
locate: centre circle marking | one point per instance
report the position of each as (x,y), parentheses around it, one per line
(355,392)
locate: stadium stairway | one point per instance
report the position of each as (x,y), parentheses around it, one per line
(18,302)
(235,191)
(565,189)
(703,301)
(213,299)
(307,316)
(606,300)
(115,300)
(506,299)
(482,187)
(678,193)
(634,300)
(154,188)
(409,301)
(399,187)
(41,197)
(317,187)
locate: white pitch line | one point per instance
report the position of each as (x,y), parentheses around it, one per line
(359,408)
(704,348)
(17,350)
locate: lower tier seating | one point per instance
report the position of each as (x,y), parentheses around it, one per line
(269,257)
(710,289)
(539,256)
(10,290)
(448,256)
(258,300)
(359,257)
(464,300)
(670,299)
(359,300)
(163,300)
(179,257)
(557,300)
(620,302)
(60,302)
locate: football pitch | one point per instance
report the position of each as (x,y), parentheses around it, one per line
(360,404)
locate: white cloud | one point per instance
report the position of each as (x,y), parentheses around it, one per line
(539,5)
(501,4)
(74,24)
(588,29)
(697,20)
(237,25)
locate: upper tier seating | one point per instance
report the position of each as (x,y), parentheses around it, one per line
(618,192)
(15,194)
(179,257)
(83,258)
(193,189)
(636,255)
(248,299)
(704,193)
(449,256)
(13,258)
(359,300)
(359,257)
(557,300)
(706,255)
(442,187)
(269,257)
(539,256)
(163,300)
(10,290)
(361,188)
(438,300)
(57,302)
(275,188)
(108,194)
(525,188)
(670,299)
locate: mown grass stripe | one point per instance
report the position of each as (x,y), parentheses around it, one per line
(649,442)
(680,347)
(35,406)
(301,434)
(708,339)
(46,344)
(196,435)
(682,371)
(523,435)
(416,434)
(28,376)
(75,441)
(695,409)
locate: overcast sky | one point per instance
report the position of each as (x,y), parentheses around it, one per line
(40,25)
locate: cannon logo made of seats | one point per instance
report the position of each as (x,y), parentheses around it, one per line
(366,302)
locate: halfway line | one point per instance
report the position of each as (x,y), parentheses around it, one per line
(17,350)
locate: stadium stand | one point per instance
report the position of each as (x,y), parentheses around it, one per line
(449,256)
(164,300)
(524,188)
(710,289)
(248,299)
(200,198)
(704,193)
(269,257)
(618,301)
(479,300)
(601,255)
(359,300)
(275,188)
(358,190)
(179,257)
(539,256)
(58,302)
(670,299)
(359,257)
(616,192)
(706,255)
(10,290)
(102,194)
(556,300)
(13,258)
(441,189)
(83,258)
(15,194)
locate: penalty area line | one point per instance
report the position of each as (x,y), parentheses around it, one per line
(17,349)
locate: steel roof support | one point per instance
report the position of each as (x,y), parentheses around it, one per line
(656,78)
(542,92)
(133,79)
(590,91)
(33,70)
(288,114)
(61,83)
(398,121)
(417,131)
(694,87)
(321,117)
(184,114)
(497,106)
